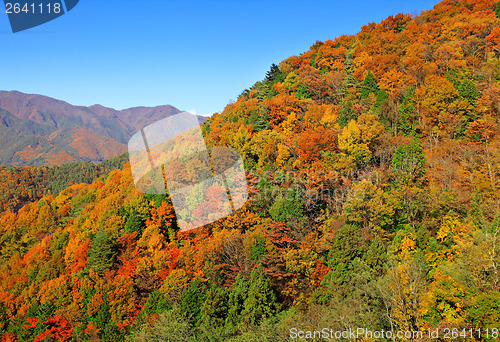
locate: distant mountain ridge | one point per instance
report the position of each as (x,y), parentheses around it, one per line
(40,130)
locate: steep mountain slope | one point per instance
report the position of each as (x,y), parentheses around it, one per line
(39,130)
(374,164)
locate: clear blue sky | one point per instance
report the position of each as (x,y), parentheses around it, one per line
(190,54)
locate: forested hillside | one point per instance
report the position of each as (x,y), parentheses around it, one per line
(21,185)
(374,164)
(42,131)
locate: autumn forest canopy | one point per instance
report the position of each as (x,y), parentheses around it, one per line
(373,164)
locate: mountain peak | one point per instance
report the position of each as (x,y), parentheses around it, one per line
(51,124)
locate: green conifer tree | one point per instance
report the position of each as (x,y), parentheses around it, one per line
(102,254)
(192,301)
(408,163)
(376,256)
(261,300)
(369,86)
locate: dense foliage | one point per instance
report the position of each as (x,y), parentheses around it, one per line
(374,163)
(21,185)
